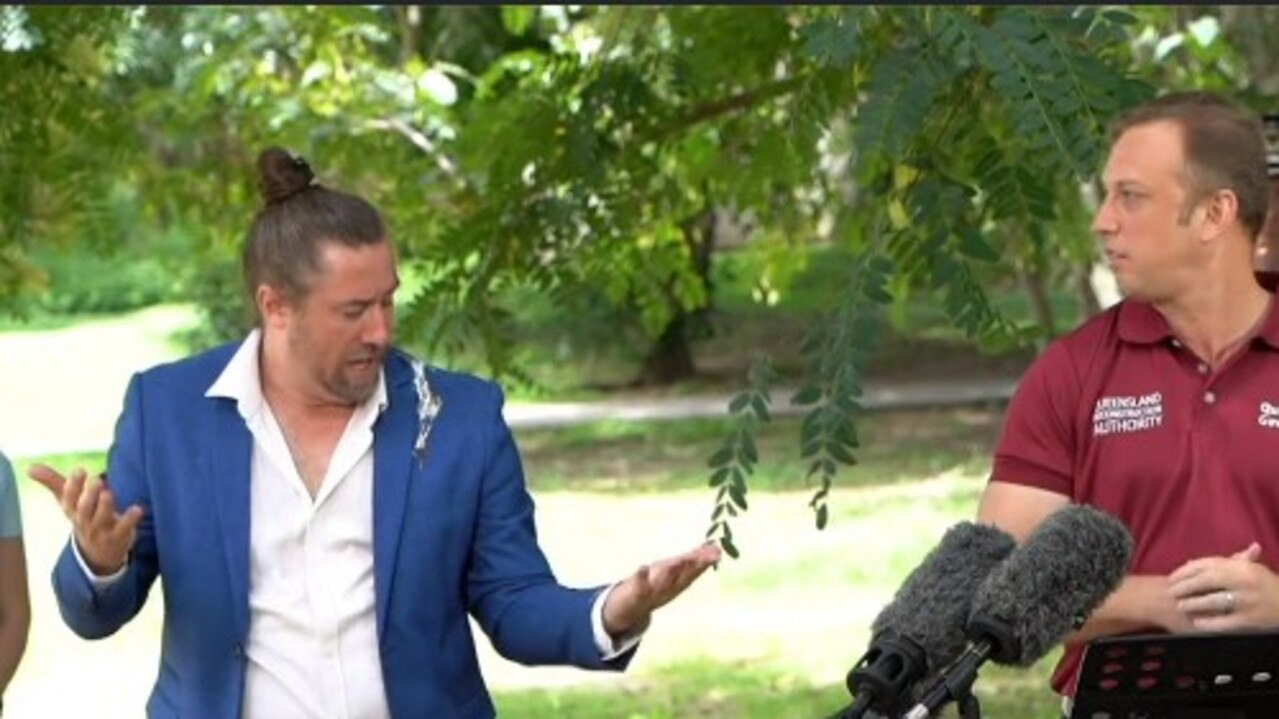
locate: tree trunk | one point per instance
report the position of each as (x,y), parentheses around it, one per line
(409,20)
(1032,280)
(670,359)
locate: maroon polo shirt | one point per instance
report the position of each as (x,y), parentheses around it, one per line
(1119,415)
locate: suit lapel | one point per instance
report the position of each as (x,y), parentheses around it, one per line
(393,436)
(231,453)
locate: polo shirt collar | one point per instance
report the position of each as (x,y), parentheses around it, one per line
(1141,323)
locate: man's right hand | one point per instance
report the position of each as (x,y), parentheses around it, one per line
(103,535)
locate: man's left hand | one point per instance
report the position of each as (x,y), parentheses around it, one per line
(630,605)
(1227,593)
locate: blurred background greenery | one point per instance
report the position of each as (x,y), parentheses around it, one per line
(788,202)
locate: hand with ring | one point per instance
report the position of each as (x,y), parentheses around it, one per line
(1227,593)
(1228,602)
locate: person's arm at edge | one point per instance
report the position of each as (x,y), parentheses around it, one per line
(1139,602)
(15,607)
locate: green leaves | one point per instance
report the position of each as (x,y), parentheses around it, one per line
(900,97)
(835,353)
(834,40)
(585,153)
(1058,96)
(968,127)
(62,136)
(517,18)
(736,458)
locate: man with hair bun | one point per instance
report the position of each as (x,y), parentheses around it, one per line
(1161,411)
(324,510)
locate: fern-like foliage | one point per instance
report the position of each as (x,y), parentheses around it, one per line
(835,353)
(968,121)
(577,152)
(735,460)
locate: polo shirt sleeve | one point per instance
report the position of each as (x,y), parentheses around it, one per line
(10,515)
(1037,443)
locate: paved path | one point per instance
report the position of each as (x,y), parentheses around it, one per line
(877,396)
(93,429)
(61,390)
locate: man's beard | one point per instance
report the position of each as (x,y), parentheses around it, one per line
(341,385)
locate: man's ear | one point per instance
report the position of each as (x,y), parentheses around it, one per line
(1221,211)
(273,306)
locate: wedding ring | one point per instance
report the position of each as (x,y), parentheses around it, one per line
(1229,598)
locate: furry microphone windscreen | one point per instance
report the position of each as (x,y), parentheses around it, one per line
(1062,572)
(932,605)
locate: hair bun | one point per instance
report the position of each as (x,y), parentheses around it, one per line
(281,175)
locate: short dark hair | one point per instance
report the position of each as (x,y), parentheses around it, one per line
(1224,146)
(298,215)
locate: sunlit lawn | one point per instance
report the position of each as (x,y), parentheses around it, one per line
(770,635)
(62,388)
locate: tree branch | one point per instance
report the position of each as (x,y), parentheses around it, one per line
(409,19)
(723,106)
(419,140)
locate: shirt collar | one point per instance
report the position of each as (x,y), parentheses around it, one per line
(241,381)
(1141,323)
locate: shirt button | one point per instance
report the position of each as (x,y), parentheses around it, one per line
(1176,343)
(1203,368)
(1210,397)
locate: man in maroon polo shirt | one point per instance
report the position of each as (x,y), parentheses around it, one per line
(1164,410)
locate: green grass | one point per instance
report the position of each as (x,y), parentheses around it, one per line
(63,388)
(707,688)
(43,322)
(768,636)
(612,456)
(695,687)
(629,457)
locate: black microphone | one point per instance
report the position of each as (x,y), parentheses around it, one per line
(921,630)
(1063,571)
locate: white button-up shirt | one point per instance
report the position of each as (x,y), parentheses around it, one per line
(312,649)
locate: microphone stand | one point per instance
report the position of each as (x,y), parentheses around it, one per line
(955,683)
(880,679)
(969,707)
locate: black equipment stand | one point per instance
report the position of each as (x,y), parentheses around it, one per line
(1184,676)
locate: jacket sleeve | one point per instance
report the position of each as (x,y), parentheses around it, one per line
(93,613)
(512,593)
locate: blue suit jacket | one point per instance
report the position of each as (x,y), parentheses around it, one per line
(452,534)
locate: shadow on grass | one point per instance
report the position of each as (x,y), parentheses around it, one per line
(630,456)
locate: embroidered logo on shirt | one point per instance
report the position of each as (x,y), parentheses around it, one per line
(1128,413)
(1269,417)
